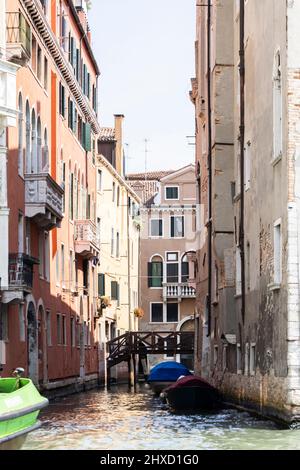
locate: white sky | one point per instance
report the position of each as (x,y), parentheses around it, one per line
(145,51)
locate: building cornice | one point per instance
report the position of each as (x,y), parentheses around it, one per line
(38,19)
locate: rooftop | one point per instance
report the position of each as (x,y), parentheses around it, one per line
(107,134)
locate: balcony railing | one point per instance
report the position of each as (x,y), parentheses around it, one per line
(87,240)
(18,38)
(178,290)
(43,200)
(20,271)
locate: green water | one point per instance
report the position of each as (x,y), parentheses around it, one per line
(119,419)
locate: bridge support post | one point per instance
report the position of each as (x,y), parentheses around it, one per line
(132,373)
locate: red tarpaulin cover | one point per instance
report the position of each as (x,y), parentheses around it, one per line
(190,381)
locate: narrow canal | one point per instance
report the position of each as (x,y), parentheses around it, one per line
(119,419)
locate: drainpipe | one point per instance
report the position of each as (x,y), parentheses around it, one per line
(209,165)
(242,152)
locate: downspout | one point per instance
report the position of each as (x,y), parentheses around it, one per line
(209,165)
(242,152)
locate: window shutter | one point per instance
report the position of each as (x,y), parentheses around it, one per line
(87,143)
(101,284)
(172,226)
(114,290)
(74,55)
(149,274)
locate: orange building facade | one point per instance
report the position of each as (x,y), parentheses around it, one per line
(48,307)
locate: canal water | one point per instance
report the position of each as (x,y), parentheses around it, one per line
(124,420)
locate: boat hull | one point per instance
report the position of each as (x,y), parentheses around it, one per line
(20,404)
(158,387)
(17,440)
(193,398)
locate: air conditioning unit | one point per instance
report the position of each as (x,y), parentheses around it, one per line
(2,352)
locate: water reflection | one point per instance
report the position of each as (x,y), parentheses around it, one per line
(119,419)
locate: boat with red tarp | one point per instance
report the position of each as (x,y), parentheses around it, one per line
(192,393)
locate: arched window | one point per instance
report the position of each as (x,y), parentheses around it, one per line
(45,163)
(185,269)
(33,143)
(155,271)
(28,139)
(277,108)
(20,136)
(39,146)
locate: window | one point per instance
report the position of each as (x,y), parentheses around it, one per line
(185,275)
(59,328)
(20,233)
(172,192)
(238,271)
(113,192)
(252,358)
(157,313)
(62,100)
(20,135)
(27,237)
(33,53)
(101,285)
(39,63)
(99,180)
(177,226)
(62,260)
(64,330)
(155,272)
(118,196)
(73,332)
(22,323)
(3,322)
(118,245)
(71,267)
(277,108)
(172,267)
(225,347)
(112,242)
(238,359)
(248,267)
(156,228)
(216,283)
(71,196)
(45,73)
(57,267)
(49,331)
(246,371)
(172,313)
(115,291)
(277,253)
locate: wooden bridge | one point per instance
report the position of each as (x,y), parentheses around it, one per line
(141,343)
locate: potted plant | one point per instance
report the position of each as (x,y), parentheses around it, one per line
(105,302)
(138,312)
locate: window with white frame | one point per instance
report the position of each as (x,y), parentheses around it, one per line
(112,242)
(59,328)
(225,348)
(157,313)
(164,313)
(156,227)
(172,193)
(277,108)
(177,226)
(3,322)
(172,267)
(238,271)
(155,272)
(216,351)
(277,253)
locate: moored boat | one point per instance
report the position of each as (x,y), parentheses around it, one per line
(165,374)
(20,404)
(192,393)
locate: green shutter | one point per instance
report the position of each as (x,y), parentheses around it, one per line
(87,140)
(101,285)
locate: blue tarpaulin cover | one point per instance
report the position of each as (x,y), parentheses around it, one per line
(168,371)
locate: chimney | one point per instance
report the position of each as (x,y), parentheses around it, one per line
(119,145)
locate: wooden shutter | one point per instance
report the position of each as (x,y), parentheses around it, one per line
(149,274)
(101,284)
(87,141)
